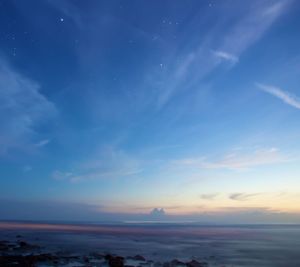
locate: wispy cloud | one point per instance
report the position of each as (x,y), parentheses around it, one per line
(109,163)
(22,108)
(27,168)
(228,43)
(209,196)
(252,25)
(285,96)
(246,160)
(242,196)
(226,56)
(42,143)
(59,175)
(241,160)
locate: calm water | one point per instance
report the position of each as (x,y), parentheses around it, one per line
(247,245)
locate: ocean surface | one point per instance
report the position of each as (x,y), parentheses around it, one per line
(219,245)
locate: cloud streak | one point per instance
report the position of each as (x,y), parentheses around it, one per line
(242,196)
(226,56)
(238,161)
(227,44)
(208,196)
(42,143)
(110,163)
(285,96)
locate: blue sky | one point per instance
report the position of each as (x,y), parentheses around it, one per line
(115,108)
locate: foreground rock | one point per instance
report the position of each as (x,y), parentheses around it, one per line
(115,261)
(195,263)
(177,263)
(23,254)
(136,258)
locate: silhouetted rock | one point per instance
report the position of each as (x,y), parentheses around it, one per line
(176,262)
(115,261)
(4,245)
(19,260)
(25,246)
(195,263)
(139,258)
(86,259)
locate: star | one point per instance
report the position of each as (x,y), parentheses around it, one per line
(61,19)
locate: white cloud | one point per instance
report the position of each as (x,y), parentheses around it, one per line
(241,160)
(22,108)
(285,96)
(226,56)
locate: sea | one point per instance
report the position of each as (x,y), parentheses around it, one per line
(219,245)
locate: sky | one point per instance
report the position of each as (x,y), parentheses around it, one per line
(150,110)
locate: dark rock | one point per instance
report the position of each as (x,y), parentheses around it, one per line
(138,258)
(115,261)
(176,262)
(45,257)
(26,261)
(108,257)
(25,245)
(4,246)
(195,263)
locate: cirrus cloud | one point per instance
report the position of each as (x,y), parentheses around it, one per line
(285,96)
(22,108)
(242,160)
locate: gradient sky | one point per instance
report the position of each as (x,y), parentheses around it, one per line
(110,109)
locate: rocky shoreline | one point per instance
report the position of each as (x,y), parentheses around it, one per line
(22,253)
